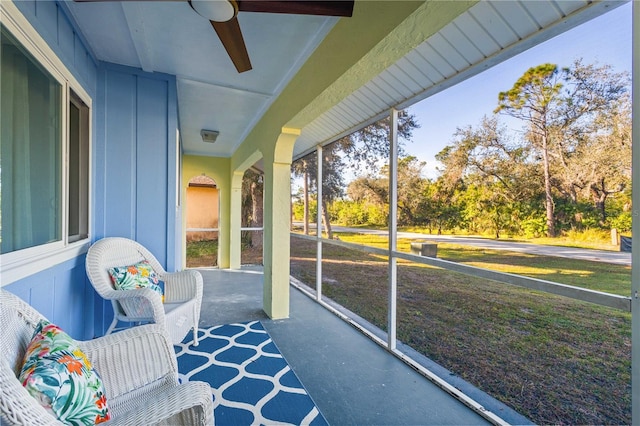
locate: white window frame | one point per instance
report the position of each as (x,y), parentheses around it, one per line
(23,263)
(84,134)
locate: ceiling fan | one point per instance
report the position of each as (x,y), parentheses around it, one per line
(223,15)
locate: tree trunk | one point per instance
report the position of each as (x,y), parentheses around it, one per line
(257,214)
(325,219)
(600,195)
(306,200)
(410,218)
(548,199)
(573,194)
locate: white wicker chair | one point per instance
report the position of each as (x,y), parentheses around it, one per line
(140,389)
(180,311)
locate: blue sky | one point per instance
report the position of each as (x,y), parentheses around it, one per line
(606,40)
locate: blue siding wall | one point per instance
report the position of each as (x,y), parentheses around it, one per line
(62,293)
(135,163)
(135,159)
(50,20)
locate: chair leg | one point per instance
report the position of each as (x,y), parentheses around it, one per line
(112,326)
(195,331)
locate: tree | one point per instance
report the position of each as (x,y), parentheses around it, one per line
(535,98)
(485,154)
(560,109)
(257,211)
(444,210)
(252,206)
(599,164)
(413,204)
(332,182)
(371,191)
(420,201)
(301,168)
(493,171)
(364,148)
(361,150)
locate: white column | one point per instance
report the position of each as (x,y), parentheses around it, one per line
(393,228)
(319,227)
(635,248)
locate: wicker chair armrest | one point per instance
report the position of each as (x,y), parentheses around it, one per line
(182,286)
(132,358)
(188,404)
(150,299)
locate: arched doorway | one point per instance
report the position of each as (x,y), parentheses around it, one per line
(202,222)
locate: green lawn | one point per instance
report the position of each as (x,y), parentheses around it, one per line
(202,253)
(599,276)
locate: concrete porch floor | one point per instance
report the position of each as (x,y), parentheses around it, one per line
(352,380)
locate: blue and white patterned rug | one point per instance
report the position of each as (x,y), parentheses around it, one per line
(250,380)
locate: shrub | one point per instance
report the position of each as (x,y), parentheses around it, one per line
(350,213)
(534,227)
(591,235)
(622,222)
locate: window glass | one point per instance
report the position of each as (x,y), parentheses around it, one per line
(30,150)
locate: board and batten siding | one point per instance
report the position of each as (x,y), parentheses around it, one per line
(135,167)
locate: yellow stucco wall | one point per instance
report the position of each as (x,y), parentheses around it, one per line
(202,211)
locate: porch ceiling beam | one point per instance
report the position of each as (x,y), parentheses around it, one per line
(135,21)
(225,87)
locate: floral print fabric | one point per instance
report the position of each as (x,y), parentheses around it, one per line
(135,276)
(59,375)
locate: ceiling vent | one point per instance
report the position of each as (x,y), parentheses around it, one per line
(209,136)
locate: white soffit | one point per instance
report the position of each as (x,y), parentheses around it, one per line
(485,35)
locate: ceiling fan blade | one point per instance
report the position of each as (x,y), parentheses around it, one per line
(314,7)
(232,40)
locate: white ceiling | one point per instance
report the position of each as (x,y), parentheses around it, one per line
(170,37)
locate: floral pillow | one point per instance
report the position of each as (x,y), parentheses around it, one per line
(131,277)
(60,377)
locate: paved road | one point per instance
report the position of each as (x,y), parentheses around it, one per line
(616,257)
